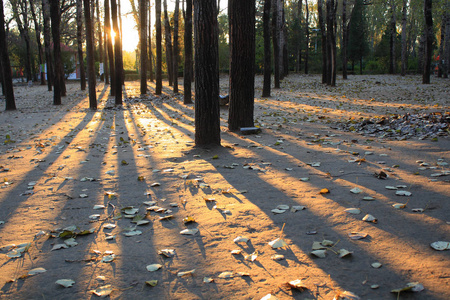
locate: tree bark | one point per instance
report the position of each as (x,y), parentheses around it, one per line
(404,54)
(187,80)
(117,57)
(23,31)
(324,40)
(56,19)
(392,38)
(150,56)
(48,55)
(276,44)
(307,38)
(5,64)
(100,40)
(158,86)
(37,29)
(143,44)
(175,47)
(80,44)
(284,34)
(428,41)
(207,114)
(446,66)
(331,43)
(168,44)
(441,46)
(344,39)
(90,54)
(110,48)
(242,63)
(267,52)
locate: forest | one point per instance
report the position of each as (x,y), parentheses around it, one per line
(214,149)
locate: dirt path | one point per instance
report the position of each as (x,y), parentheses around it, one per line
(57,163)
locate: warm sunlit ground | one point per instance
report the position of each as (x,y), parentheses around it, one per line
(59,162)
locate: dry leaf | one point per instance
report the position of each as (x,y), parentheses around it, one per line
(356,190)
(319,253)
(153,267)
(236,252)
(376,265)
(295,208)
(403,193)
(188,220)
(167,252)
(370,218)
(59,246)
(277,243)
(208,279)
(36,271)
(269,297)
(192,231)
(278,211)
(151,282)
(399,205)
(357,235)
(190,272)
(440,245)
(346,295)
(324,191)
(297,284)
(344,253)
(103,291)
(226,275)
(354,211)
(241,239)
(65,282)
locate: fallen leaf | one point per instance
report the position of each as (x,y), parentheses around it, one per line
(324,191)
(59,246)
(278,211)
(155,184)
(354,211)
(207,279)
(319,253)
(297,284)
(133,233)
(190,272)
(370,218)
(440,245)
(167,252)
(109,226)
(399,205)
(277,257)
(277,243)
(236,252)
(344,253)
(357,235)
(103,291)
(269,297)
(153,267)
(188,219)
(65,282)
(192,231)
(99,206)
(346,295)
(356,190)
(410,287)
(251,257)
(241,239)
(388,187)
(368,198)
(108,258)
(376,265)
(403,193)
(151,282)
(226,275)
(36,271)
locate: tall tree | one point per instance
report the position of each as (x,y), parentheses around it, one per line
(344,41)
(242,63)
(100,39)
(143,44)
(150,55)
(168,43)
(331,43)
(283,41)
(175,46)
(48,55)
(188,53)
(158,86)
(446,57)
(117,57)
(80,43)
(119,17)
(392,37)
(37,30)
(357,34)
(267,52)
(441,46)
(5,64)
(404,56)
(109,46)
(105,54)
(307,38)
(427,7)
(55,14)
(90,54)
(276,44)
(207,113)
(324,40)
(20,12)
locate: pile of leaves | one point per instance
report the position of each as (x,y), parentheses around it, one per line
(422,125)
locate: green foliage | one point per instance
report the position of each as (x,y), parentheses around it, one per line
(358,46)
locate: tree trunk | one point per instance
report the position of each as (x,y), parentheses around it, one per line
(329,42)
(48,55)
(122,71)
(80,44)
(441,46)
(300,19)
(22,25)
(143,44)
(56,19)
(324,40)
(188,53)
(168,43)
(267,52)
(404,56)
(428,41)
(100,40)
(276,44)
(207,113)
(393,37)
(344,39)
(175,47)
(105,54)
(285,59)
(5,64)
(242,63)
(117,57)
(307,38)
(447,42)
(158,87)
(110,49)
(150,56)
(90,55)
(37,29)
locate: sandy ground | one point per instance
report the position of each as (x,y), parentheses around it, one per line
(57,163)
